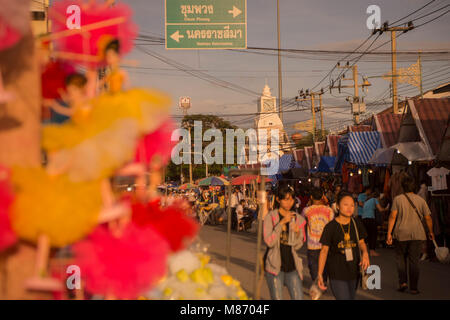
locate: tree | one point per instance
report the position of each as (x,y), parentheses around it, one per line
(198,170)
(308,139)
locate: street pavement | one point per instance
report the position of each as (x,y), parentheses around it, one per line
(434,282)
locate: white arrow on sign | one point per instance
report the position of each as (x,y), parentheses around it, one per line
(177,36)
(235,12)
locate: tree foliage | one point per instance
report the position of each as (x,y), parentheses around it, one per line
(173,171)
(307,140)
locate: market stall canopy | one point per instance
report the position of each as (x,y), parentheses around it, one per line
(326,164)
(362,146)
(382,156)
(309,153)
(188,186)
(299,155)
(213,181)
(444,152)
(388,125)
(343,153)
(247,179)
(425,121)
(414,151)
(331,147)
(287,161)
(431,116)
(226,170)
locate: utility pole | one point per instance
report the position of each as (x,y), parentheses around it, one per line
(280,81)
(185,104)
(420,76)
(312,96)
(190,156)
(321,115)
(394,71)
(393,31)
(356,91)
(190,152)
(358,106)
(313,111)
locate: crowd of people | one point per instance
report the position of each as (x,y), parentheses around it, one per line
(342,231)
(213,204)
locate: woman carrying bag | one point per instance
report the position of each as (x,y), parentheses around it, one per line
(344,252)
(284,235)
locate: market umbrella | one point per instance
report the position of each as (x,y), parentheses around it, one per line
(246,179)
(167,186)
(382,156)
(187,186)
(213,181)
(413,151)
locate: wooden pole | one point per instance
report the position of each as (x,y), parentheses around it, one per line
(321,116)
(420,76)
(356,92)
(280,79)
(394,72)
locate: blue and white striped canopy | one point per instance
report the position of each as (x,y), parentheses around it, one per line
(287,162)
(362,146)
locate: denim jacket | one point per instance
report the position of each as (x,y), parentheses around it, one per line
(272,233)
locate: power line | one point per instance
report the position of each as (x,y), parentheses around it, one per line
(420,25)
(240,114)
(430,13)
(201,75)
(415,11)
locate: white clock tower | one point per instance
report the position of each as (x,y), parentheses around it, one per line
(267,120)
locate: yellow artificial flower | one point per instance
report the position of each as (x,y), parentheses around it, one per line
(182,275)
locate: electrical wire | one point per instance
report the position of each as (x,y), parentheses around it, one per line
(415,11)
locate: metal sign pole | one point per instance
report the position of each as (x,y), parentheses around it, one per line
(228,228)
(262,203)
(236,172)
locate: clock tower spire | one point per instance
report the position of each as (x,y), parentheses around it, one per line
(268,119)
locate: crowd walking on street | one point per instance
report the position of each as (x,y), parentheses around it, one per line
(341,231)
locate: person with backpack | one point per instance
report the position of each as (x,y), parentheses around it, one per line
(284,235)
(409,212)
(344,251)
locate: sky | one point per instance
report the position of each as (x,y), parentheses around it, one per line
(305,24)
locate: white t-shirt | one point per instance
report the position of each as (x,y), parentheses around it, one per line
(234,200)
(438,178)
(240,211)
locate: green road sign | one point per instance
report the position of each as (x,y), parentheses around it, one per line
(206,24)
